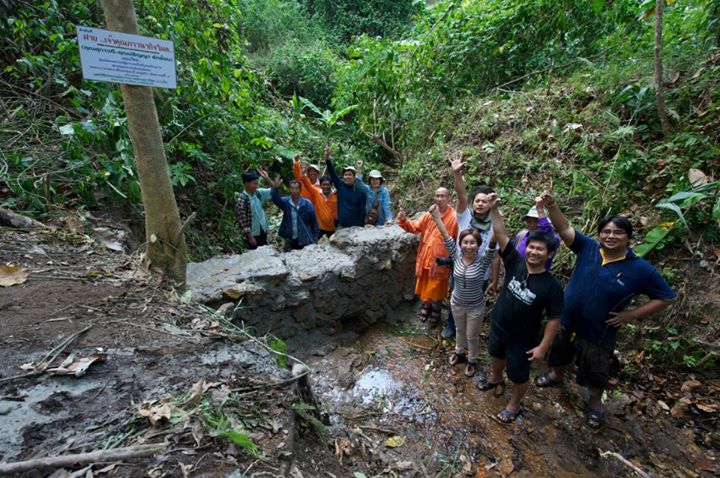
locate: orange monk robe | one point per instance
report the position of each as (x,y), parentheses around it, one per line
(325,208)
(432,280)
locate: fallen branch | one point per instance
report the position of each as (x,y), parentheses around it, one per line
(12,219)
(379,429)
(412,345)
(117,454)
(625,461)
(43,364)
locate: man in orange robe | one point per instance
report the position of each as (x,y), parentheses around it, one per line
(323,198)
(432,279)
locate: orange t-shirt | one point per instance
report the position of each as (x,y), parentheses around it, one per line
(325,208)
(432,244)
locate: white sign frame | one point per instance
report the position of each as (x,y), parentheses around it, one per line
(123,58)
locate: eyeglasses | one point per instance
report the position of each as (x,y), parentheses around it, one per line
(613,232)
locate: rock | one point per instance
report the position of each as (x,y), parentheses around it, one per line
(243,290)
(357,278)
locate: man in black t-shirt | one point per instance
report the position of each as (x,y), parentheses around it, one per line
(531,292)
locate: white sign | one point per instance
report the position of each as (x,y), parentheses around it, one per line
(123,58)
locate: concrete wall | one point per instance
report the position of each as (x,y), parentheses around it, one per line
(359,276)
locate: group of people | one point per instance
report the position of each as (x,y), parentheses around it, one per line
(316,206)
(460,252)
(580,322)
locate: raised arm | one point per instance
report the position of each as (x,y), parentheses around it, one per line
(414,227)
(296,168)
(458,166)
(560,222)
(331,173)
(498,224)
(438,222)
(275,185)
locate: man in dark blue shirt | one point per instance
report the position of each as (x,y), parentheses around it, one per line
(351,195)
(607,275)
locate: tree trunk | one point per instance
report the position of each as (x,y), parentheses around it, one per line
(163,231)
(659,98)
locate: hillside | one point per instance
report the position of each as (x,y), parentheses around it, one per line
(535,94)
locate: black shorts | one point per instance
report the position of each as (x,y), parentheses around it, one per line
(592,360)
(514,352)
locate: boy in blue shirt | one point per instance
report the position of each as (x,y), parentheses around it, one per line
(607,275)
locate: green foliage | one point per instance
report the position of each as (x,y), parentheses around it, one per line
(347,19)
(679,203)
(281,348)
(268,24)
(222,428)
(304,69)
(305,411)
(215,124)
(667,347)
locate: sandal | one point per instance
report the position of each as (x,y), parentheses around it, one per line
(486,385)
(506,416)
(471,369)
(434,318)
(545,381)
(595,418)
(457,358)
(424,311)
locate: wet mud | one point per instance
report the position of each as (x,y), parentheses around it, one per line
(396,381)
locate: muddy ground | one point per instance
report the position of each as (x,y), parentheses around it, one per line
(176,374)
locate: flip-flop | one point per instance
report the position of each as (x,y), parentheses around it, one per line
(486,386)
(506,416)
(457,358)
(544,381)
(595,418)
(470,369)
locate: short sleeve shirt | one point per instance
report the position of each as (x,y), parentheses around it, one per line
(525,300)
(595,290)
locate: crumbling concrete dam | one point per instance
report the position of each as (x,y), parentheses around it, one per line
(357,277)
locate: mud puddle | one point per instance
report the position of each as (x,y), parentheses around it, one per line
(404,410)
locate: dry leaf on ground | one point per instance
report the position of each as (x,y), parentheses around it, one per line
(155,411)
(12,275)
(697,177)
(395,441)
(78,367)
(689,385)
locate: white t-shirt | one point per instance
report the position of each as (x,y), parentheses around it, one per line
(463,221)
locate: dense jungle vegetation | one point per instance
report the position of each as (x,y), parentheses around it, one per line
(537,93)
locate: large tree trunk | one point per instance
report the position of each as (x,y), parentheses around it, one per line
(165,238)
(659,97)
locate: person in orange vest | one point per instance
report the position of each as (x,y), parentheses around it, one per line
(432,279)
(323,199)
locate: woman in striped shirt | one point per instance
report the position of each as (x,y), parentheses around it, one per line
(467,300)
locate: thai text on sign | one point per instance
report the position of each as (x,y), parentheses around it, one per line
(128,59)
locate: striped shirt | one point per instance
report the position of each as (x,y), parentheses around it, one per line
(468,291)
